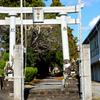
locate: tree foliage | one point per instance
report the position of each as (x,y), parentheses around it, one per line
(31,56)
(2,72)
(72,44)
(3,62)
(56,3)
(16,3)
(6,56)
(45,48)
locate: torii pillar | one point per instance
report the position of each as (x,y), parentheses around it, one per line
(65,45)
(12,35)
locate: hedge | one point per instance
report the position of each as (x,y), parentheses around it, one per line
(2,72)
(2,64)
(30,73)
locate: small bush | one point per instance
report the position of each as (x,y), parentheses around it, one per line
(2,64)
(2,72)
(6,56)
(30,73)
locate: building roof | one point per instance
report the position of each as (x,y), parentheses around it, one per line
(92,32)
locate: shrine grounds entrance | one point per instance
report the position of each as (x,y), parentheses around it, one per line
(16,51)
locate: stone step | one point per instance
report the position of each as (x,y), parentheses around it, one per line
(72,90)
(63,90)
(7,85)
(64,98)
(71,81)
(71,86)
(51,93)
(53,96)
(45,90)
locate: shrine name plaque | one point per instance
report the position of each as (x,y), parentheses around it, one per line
(38,15)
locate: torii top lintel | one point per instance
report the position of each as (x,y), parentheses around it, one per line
(68,9)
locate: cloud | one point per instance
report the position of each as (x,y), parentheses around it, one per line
(69,1)
(89,2)
(86,28)
(72,1)
(91,23)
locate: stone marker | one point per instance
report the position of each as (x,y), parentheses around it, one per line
(86,72)
(18,72)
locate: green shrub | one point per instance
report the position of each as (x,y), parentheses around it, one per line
(2,72)
(59,57)
(2,64)
(30,73)
(6,56)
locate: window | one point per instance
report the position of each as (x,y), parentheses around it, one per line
(94,46)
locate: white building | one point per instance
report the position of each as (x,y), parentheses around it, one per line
(94,40)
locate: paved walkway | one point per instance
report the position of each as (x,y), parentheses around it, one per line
(96,89)
(51,83)
(48,83)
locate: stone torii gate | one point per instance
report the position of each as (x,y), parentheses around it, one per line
(38,19)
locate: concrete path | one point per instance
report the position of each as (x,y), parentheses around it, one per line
(48,83)
(96,89)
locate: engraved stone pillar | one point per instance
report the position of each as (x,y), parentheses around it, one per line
(18,78)
(86,72)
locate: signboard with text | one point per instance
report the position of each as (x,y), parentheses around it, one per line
(38,15)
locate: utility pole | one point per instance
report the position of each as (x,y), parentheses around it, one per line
(21,5)
(80,65)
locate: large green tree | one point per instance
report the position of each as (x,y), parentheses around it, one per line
(16,3)
(44,48)
(4,30)
(72,44)
(56,3)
